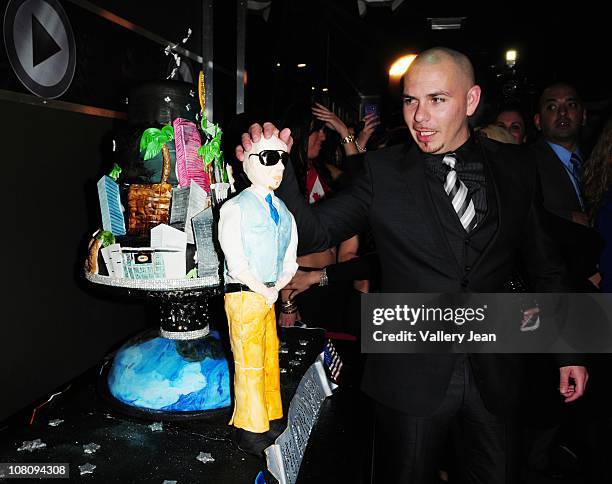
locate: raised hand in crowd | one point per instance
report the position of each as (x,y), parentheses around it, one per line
(371,121)
(333,122)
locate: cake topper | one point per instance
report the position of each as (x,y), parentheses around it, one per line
(259,239)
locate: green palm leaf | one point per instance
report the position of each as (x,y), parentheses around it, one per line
(153,140)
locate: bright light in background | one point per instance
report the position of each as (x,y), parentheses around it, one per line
(301,65)
(324,89)
(313,88)
(511,56)
(278,64)
(400,66)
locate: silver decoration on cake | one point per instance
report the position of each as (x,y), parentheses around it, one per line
(184,335)
(32,445)
(285,456)
(156,427)
(154,284)
(91,448)
(205,457)
(87,468)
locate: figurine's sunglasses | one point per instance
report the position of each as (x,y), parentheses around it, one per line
(271,157)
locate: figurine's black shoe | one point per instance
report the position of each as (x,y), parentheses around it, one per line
(251,442)
(277,427)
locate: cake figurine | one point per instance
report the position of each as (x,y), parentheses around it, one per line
(258,236)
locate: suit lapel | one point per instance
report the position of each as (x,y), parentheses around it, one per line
(412,168)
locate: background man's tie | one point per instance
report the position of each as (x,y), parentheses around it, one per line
(576,172)
(273,211)
(458,193)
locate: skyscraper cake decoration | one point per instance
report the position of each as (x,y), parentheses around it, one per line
(165,221)
(110,202)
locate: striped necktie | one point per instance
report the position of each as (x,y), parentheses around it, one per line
(458,193)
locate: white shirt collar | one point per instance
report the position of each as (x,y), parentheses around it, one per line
(262,192)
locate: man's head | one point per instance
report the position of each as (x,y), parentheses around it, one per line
(513,121)
(439,95)
(265,152)
(560,115)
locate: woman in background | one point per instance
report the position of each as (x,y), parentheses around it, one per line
(598,193)
(321,305)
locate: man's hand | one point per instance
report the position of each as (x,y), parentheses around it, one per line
(302,280)
(580,218)
(572,390)
(288,320)
(371,121)
(254,135)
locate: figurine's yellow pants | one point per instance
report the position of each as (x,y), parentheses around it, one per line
(252,329)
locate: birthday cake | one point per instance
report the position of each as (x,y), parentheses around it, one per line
(158,207)
(157,211)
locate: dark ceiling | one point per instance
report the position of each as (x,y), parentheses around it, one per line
(351,55)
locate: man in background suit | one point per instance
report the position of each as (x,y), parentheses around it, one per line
(560,117)
(449,214)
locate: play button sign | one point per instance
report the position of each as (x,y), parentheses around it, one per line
(40,46)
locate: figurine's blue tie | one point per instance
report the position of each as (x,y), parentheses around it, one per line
(273,211)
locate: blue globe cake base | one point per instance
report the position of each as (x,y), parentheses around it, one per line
(169,379)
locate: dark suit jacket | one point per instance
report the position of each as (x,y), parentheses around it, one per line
(580,246)
(558,193)
(392,196)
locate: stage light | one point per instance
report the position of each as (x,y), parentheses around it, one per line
(301,65)
(324,89)
(278,64)
(400,66)
(511,56)
(313,88)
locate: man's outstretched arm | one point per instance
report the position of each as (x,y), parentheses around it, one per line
(334,220)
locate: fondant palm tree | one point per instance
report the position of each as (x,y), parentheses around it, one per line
(154,140)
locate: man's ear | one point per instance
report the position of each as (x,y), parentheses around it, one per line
(473,98)
(536,121)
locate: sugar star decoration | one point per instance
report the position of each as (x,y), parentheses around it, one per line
(156,427)
(55,422)
(32,445)
(90,448)
(87,468)
(205,457)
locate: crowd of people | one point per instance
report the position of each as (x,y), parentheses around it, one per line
(441,207)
